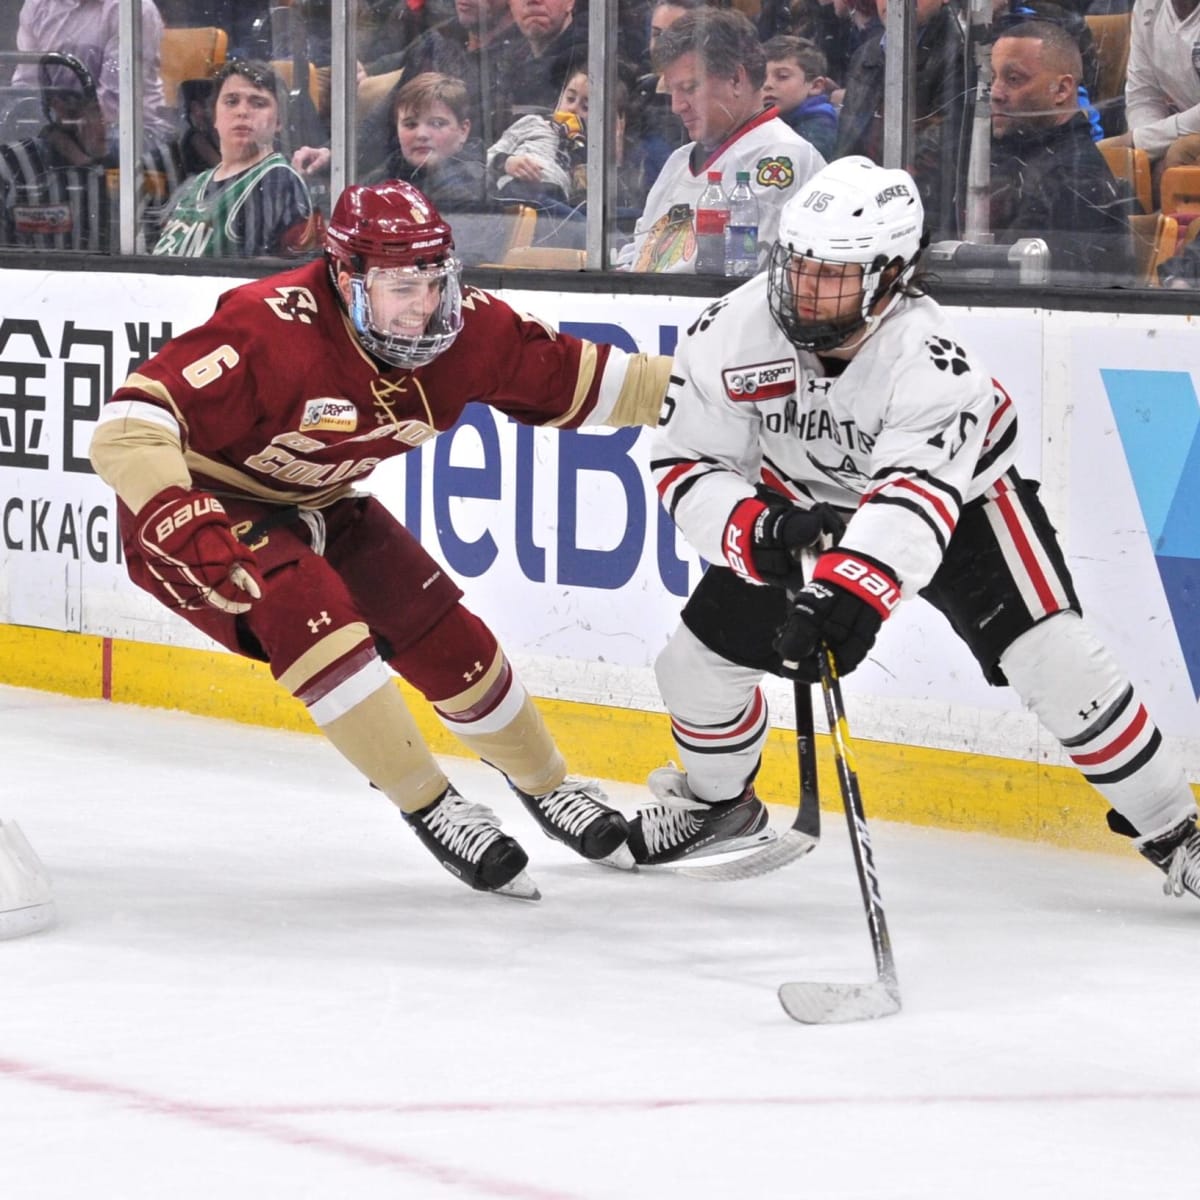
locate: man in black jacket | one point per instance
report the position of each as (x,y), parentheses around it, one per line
(1048,178)
(939,95)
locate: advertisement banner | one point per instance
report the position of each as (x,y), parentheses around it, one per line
(558,538)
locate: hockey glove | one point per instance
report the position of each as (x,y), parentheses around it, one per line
(763,542)
(188,545)
(843,607)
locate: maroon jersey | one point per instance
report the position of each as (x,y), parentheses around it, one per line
(273,398)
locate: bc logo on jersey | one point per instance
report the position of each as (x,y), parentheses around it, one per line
(775,172)
(761,381)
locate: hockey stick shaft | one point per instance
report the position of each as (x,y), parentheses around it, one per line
(808,815)
(805,831)
(856,822)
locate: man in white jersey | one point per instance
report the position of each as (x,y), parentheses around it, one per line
(1162,83)
(713,67)
(857,412)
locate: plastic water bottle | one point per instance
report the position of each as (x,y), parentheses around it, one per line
(741,234)
(712,218)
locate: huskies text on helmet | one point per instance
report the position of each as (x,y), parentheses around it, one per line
(851,213)
(391,236)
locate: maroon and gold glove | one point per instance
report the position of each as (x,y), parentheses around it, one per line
(187,543)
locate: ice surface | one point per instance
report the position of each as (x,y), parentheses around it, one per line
(261,985)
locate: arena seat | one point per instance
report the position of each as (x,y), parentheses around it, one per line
(1155,236)
(191,53)
(1132,165)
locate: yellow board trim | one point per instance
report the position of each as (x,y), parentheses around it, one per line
(949,789)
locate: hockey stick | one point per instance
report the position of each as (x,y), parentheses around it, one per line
(829,1003)
(805,829)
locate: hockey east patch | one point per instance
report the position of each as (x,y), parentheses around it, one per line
(336,416)
(761,381)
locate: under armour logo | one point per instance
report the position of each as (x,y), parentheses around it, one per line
(474,672)
(317,622)
(1084,713)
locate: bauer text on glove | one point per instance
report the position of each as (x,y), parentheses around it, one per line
(843,606)
(187,543)
(763,542)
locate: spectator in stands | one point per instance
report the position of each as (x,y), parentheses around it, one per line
(658,130)
(841,27)
(1162,83)
(795,85)
(1007,13)
(252,203)
(197,147)
(713,67)
(53,187)
(471,49)
(939,88)
(432,147)
(536,66)
(545,157)
(87,29)
(1048,179)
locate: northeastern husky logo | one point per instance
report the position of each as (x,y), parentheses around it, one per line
(337,416)
(761,381)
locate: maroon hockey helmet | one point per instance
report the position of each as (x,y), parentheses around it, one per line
(405,302)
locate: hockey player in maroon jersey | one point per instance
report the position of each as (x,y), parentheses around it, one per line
(233,452)
(858,414)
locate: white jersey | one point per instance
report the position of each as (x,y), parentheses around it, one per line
(1162,88)
(779,162)
(911,430)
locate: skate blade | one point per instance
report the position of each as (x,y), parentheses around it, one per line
(520,887)
(775,854)
(728,851)
(621,859)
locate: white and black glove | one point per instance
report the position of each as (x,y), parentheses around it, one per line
(764,542)
(842,607)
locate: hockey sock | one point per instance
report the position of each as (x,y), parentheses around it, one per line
(1071,681)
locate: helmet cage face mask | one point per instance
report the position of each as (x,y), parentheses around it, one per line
(406,347)
(822,334)
(852,212)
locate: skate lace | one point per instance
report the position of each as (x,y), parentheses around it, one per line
(572,807)
(1183,871)
(464,828)
(665,826)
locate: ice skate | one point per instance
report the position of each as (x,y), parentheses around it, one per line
(575,813)
(1177,854)
(467,840)
(682,827)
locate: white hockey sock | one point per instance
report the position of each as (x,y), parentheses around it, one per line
(1071,681)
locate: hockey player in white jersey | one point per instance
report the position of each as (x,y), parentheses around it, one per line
(857,402)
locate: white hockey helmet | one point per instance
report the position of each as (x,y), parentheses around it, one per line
(851,212)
